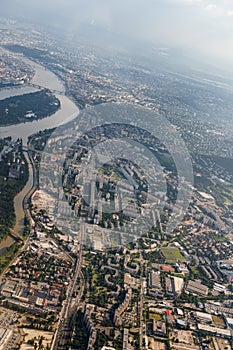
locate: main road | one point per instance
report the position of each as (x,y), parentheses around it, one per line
(69,302)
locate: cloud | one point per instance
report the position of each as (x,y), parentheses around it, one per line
(185,2)
(211,7)
(203,26)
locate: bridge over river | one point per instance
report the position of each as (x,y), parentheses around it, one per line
(57,92)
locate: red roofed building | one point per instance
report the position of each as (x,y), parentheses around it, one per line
(168,312)
(167,268)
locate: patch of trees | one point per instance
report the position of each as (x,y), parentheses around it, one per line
(33,53)
(8,255)
(15,110)
(9,189)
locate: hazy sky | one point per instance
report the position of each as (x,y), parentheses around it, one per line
(205,26)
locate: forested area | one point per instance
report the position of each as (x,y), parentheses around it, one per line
(9,187)
(28,107)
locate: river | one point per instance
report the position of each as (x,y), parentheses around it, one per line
(49,80)
(67,112)
(18,200)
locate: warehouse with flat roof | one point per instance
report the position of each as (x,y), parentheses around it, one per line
(196,287)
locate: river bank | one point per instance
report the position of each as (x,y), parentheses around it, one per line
(19,199)
(67,112)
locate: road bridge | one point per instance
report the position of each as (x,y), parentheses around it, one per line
(15,236)
(57,92)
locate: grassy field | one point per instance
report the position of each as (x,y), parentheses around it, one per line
(172,255)
(156,317)
(195,271)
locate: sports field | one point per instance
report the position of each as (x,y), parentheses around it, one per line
(172,255)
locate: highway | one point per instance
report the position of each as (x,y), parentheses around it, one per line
(140,305)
